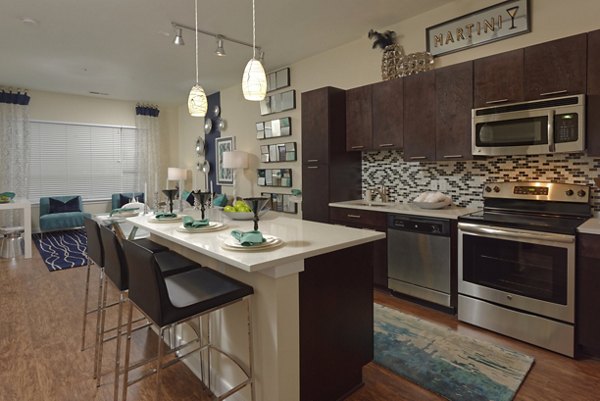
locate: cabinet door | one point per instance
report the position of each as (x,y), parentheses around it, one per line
(593,94)
(358,118)
(315,192)
(556,68)
(315,126)
(419,117)
(388,114)
(588,282)
(454,93)
(499,79)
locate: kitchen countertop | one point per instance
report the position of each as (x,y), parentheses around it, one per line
(450,212)
(592,226)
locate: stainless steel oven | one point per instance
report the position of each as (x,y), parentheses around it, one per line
(516,262)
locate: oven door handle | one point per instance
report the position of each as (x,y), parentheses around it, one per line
(514,233)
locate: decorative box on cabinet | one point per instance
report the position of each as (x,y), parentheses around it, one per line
(375,221)
(329,173)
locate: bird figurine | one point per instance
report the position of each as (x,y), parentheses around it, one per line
(382,40)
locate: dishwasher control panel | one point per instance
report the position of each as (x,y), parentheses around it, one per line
(425,225)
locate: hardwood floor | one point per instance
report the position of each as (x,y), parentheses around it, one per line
(40,360)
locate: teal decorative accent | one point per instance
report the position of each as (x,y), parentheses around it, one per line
(454,366)
(190,222)
(248,238)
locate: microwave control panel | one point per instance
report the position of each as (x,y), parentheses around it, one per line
(566,127)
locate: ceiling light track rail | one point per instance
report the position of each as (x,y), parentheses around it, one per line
(215,35)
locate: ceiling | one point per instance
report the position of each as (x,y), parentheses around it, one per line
(123,48)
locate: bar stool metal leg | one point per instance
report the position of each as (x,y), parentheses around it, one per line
(85,303)
(100,331)
(118,346)
(127,353)
(98,318)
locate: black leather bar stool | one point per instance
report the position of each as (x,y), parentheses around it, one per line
(116,269)
(169,301)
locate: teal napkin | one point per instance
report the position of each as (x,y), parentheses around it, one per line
(248,238)
(9,195)
(190,222)
(123,210)
(220,200)
(164,215)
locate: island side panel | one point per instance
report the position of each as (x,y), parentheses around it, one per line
(336,322)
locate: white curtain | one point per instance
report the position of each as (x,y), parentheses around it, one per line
(147,151)
(14,150)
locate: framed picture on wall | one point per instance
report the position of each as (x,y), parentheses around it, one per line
(224,175)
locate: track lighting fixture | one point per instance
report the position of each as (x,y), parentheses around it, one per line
(220,51)
(178,38)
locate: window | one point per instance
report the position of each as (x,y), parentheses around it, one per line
(81,159)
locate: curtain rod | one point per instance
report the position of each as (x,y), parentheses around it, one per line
(215,35)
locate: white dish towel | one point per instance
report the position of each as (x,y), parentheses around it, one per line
(432,197)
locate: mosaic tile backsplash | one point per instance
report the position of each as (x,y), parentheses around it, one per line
(463,180)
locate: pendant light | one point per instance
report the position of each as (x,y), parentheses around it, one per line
(254,80)
(197,102)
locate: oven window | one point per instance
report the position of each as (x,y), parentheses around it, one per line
(531,270)
(520,132)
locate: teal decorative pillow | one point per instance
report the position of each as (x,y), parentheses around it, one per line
(58,206)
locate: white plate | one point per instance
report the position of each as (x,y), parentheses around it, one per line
(233,244)
(171,220)
(125,214)
(212,226)
(433,205)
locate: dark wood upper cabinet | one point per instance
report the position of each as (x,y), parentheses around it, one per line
(388,114)
(593,94)
(315,125)
(358,118)
(454,94)
(499,79)
(555,68)
(419,117)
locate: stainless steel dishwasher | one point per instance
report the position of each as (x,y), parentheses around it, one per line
(419,257)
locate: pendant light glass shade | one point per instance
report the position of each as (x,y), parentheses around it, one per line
(254,81)
(197,102)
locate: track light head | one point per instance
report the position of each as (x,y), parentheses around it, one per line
(220,51)
(179,38)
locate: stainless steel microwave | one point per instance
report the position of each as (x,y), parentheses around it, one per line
(530,128)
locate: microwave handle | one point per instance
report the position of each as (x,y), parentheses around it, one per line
(551,146)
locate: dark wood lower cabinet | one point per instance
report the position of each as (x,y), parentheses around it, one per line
(336,322)
(588,295)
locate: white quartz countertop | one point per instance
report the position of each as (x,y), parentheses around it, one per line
(449,212)
(302,239)
(592,226)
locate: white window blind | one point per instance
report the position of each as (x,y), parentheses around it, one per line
(79,159)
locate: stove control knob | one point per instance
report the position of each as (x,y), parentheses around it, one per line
(496,189)
(488,189)
(569,192)
(581,193)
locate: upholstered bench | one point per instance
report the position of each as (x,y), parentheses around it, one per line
(61,212)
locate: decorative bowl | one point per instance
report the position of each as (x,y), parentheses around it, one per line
(433,205)
(243,215)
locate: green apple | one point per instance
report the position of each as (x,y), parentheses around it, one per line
(229,208)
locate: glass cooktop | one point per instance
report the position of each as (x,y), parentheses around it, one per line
(546,223)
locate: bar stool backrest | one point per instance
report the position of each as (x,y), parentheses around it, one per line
(95,251)
(147,288)
(115,265)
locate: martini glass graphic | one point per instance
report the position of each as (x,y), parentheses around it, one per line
(512,12)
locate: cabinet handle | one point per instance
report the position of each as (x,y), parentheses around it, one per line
(496,101)
(357,147)
(553,93)
(386,145)
(353,216)
(452,156)
(312,161)
(311,167)
(418,157)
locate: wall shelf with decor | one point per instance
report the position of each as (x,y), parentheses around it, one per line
(281,202)
(278,152)
(274,128)
(280,177)
(278,102)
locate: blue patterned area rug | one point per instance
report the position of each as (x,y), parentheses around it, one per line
(62,249)
(454,366)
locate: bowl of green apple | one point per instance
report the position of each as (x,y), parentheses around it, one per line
(240,210)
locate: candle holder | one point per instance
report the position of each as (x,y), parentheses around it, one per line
(256,204)
(170,194)
(155,202)
(200,199)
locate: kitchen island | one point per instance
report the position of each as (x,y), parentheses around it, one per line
(312,308)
